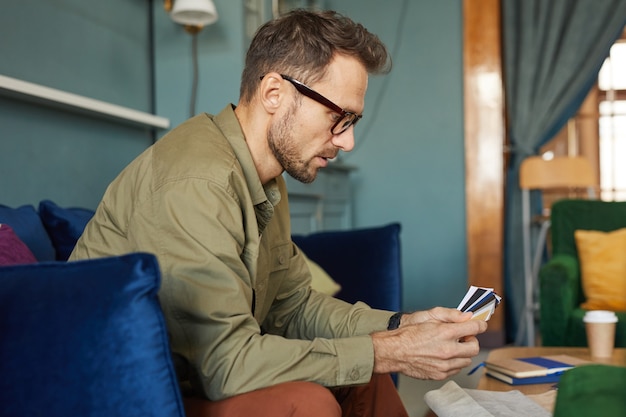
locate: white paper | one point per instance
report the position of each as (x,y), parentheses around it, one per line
(452,401)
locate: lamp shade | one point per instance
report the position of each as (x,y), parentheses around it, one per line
(194,12)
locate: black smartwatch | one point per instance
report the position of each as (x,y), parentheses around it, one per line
(394,321)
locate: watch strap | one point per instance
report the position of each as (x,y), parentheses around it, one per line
(394,321)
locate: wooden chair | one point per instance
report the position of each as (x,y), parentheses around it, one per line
(536,173)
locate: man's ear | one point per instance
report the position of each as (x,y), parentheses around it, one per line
(271,91)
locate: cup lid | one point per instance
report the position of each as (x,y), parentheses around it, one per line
(600,316)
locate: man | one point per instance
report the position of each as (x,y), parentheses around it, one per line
(209,201)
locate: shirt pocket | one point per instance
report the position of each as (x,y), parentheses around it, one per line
(280,257)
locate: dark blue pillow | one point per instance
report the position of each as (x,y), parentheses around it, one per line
(366,263)
(85,338)
(64,226)
(27,225)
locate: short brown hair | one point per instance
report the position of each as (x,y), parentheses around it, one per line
(302,43)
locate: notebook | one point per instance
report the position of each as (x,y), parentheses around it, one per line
(531,370)
(547,379)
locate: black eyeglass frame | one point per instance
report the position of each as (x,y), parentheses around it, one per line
(347,117)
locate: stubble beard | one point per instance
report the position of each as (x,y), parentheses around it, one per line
(285,149)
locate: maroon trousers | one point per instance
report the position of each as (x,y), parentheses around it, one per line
(378,398)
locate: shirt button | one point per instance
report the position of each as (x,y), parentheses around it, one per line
(355,374)
(281,259)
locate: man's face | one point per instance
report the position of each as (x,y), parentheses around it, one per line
(300,139)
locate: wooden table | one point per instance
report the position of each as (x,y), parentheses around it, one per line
(492,384)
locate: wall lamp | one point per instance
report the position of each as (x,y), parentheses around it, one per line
(192,14)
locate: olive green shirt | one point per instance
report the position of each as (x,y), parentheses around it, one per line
(235,289)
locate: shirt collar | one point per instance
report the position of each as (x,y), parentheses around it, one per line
(264,198)
(228,123)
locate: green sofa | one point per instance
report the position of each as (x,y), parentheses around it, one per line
(560,290)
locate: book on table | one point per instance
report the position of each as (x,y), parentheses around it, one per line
(511,380)
(531,370)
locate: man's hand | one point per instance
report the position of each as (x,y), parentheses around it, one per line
(432,344)
(437,314)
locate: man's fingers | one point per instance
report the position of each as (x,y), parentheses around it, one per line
(467,328)
(442,369)
(449,315)
(437,314)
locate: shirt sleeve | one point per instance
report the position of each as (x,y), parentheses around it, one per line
(302,313)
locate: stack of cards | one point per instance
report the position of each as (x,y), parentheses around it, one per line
(480,301)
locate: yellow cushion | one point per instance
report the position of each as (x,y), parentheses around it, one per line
(603,268)
(321,281)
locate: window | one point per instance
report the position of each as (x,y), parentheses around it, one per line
(598,130)
(612,124)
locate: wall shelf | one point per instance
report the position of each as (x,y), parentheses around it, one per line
(12,87)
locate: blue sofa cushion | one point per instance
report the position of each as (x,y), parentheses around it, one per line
(85,338)
(366,263)
(27,225)
(64,226)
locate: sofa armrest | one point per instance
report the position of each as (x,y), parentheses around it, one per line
(559,295)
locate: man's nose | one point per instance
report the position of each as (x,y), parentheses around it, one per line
(344,140)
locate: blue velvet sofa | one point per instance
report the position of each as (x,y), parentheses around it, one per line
(88,338)
(366,262)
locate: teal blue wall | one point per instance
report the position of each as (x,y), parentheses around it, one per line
(409,146)
(221,49)
(97,49)
(410,143)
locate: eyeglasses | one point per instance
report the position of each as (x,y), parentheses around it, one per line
(346,118)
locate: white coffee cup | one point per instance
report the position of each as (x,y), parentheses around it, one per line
(600,327)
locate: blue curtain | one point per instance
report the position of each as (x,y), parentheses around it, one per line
(553,51)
